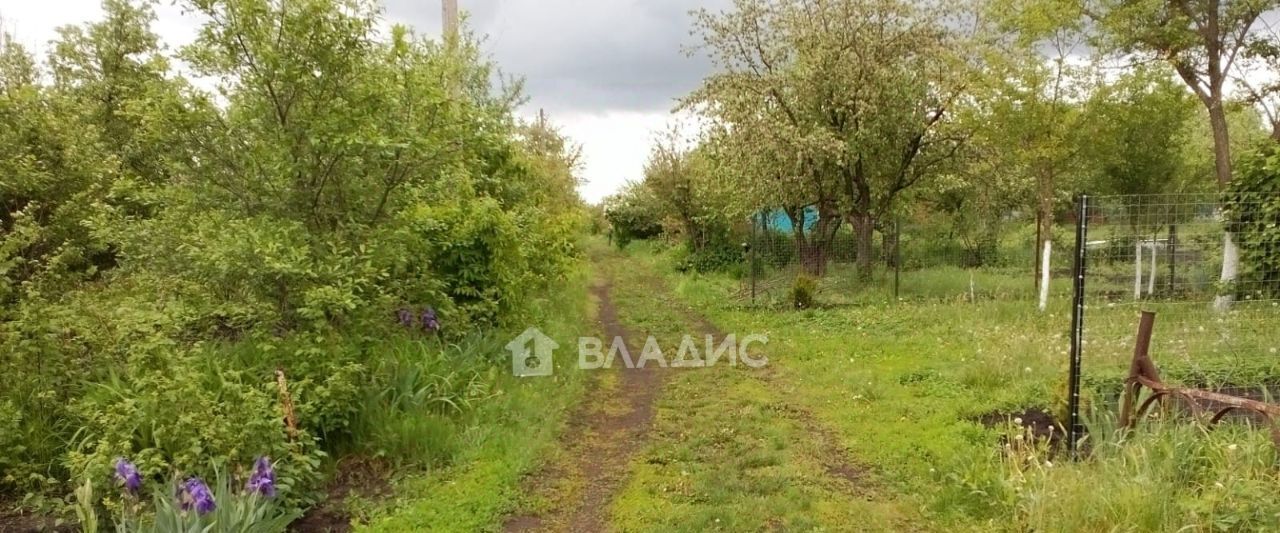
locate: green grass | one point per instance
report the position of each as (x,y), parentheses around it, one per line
(896,388)
(902,384)
(727,451)
(1168,476)
(508,435)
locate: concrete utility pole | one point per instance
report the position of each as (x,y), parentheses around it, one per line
(449,10)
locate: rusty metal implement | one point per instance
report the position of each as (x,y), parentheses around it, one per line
(1143,373)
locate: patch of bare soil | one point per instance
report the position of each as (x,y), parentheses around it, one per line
(599,442)
(1038,422)
(355,475)
(15,521)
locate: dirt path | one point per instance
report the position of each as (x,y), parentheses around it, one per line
(835,458)
(638,443)
(613,418)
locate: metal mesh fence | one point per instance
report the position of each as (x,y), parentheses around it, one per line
(908,258)
(1166,254)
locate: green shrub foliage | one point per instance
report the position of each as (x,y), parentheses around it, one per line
(803,292)
(1252,206)
(164,249)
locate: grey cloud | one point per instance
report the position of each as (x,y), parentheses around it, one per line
(582,55)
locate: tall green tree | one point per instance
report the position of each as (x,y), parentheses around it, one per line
(1144,108)
(1036,114)
(848,102)
(1202,40)
(685,176)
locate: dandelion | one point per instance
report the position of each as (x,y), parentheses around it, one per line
(195,494)
(128,475)
(1048,464)
(429,320)
(1231,447)
(263,479)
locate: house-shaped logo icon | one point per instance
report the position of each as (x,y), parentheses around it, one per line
(531,353)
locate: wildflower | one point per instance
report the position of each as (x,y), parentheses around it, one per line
(263,479)
(1231,447)
(429,320)
(1048,464)
(405,317)
(128,475)
(195,494)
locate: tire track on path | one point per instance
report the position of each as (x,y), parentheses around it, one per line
(598,445)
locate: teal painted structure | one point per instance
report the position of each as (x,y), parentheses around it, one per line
(777,219)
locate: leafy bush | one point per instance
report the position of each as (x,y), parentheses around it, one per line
(803,291)
(1252,207)
(164,251)
(634,213)
(712,258)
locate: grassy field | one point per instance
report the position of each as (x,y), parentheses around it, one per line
(871,415)
(905,385)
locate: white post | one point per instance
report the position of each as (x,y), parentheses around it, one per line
(1137,271)
(1044,275)
(972,297)
(1151,280)
(1230,269)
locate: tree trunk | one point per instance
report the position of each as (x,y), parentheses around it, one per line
(1044,223)
(815,258)
(889,246)
(864,230)
(1230,269)
(1222,167)
(809,245)
(1221,142)
(692,235)
(798,236)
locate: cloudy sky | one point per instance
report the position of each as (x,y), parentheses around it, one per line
(607,71)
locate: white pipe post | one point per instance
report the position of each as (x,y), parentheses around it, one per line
(1137,271)
(1044,275)
(1151,281)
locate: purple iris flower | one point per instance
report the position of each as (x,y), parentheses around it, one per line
(263,479)
(429,320)
(405,317)
(195,494)
(128,475)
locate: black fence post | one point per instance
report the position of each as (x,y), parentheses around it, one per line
(897,256)
(755,268)
(1173,258)
(1074,428)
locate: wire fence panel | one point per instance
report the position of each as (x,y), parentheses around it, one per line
(1166,254)
(910,258)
